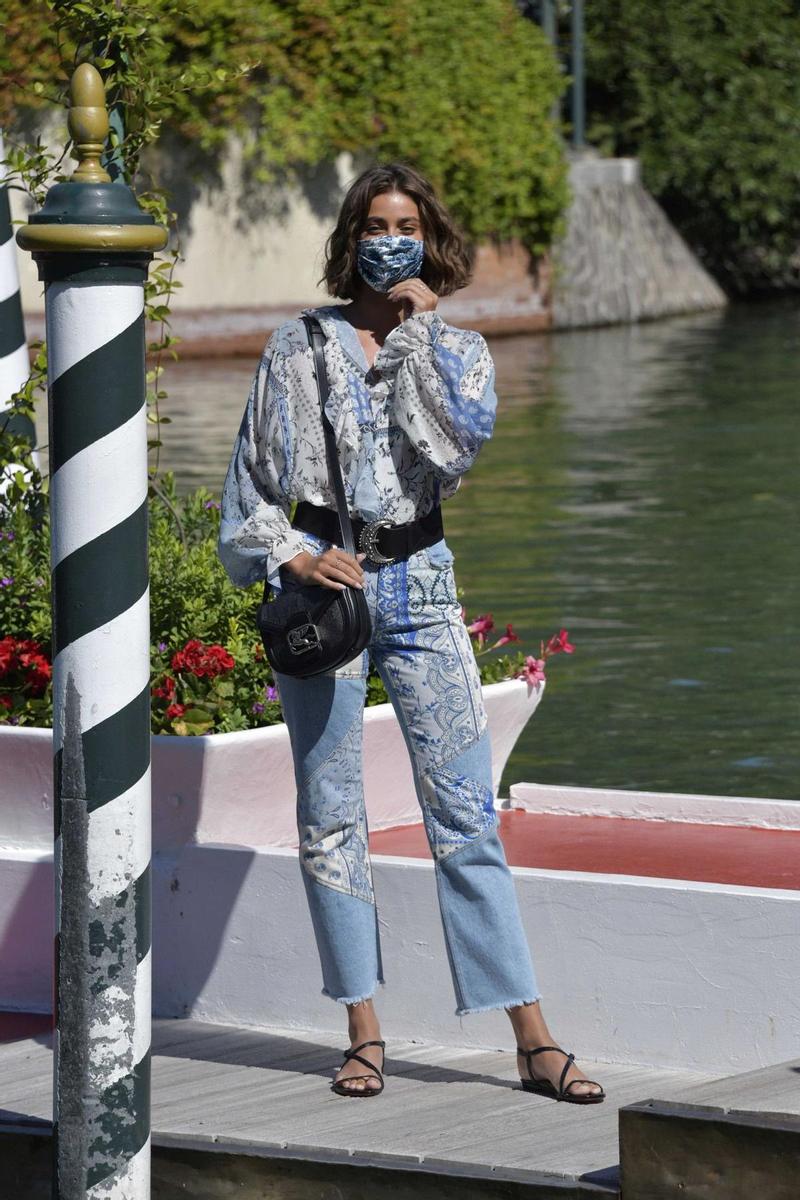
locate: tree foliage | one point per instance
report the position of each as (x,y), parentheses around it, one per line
(462,91)
(707,92)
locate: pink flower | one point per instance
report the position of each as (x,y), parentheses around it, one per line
(533,671)
(508,636)
(558,642)
(481,624)
(480,627)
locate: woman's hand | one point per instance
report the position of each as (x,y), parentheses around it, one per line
(416,296)
(333,568)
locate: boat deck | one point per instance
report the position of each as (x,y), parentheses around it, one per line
(732,854)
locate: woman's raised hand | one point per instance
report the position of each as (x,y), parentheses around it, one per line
(333,568)
(417,297)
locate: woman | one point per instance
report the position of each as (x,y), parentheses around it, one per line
(411,402)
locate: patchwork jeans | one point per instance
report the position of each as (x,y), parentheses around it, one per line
(422,651)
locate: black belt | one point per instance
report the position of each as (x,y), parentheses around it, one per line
(380,540)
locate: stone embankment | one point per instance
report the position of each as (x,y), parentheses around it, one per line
(620,260)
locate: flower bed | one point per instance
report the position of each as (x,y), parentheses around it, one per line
(209,673)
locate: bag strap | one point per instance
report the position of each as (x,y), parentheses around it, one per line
(317,341)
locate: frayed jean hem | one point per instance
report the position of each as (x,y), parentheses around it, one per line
(352,999)
(463,1012)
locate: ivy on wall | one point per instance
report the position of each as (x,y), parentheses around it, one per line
(707,93)
(464,91)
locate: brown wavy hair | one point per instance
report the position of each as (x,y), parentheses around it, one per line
(447,265)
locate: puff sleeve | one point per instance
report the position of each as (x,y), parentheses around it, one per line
(443,390)
(255,535)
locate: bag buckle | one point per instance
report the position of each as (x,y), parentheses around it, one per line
(368,541)
(303,638)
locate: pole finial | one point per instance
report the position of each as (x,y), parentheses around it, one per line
(88,123)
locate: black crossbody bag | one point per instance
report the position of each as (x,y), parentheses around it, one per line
(313,628)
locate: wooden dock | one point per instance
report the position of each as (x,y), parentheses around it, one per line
(249,1113)
(251,1105)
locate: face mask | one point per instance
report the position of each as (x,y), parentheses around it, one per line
(384,261)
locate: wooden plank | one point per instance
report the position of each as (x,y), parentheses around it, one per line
(448,1110)
(769,1089)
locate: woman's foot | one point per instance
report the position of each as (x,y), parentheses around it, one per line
(531,1031)
(363,1026)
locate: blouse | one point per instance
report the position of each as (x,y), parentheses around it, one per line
(406,431)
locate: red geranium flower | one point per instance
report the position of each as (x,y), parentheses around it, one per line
(199,659)
(167,688)
(25,655)
(8,654)
(175,710)
(36,667)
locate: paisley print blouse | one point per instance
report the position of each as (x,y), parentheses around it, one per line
(406,430)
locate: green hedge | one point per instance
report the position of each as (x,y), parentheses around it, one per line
(707,92)
(462,90)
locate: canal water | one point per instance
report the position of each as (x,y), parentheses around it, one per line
(640,491)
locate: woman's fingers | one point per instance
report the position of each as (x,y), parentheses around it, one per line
(333,568)
(341,558)
(406,290)
(324,581)
(415,292)
(339,567)
(334,577)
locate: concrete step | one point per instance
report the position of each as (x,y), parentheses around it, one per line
(733,1139)
(252,1109)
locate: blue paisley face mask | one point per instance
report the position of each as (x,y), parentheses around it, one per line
(384,261)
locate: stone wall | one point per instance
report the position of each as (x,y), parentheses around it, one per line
(253,258)
(621,259)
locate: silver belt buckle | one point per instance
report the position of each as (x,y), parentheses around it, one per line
(368,542)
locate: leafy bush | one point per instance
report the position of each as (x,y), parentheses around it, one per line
(707,93)
(463,91)
(209,673)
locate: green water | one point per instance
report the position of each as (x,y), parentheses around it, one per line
(641,491)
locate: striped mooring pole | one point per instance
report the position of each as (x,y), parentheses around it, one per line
(92,245)
(14,361)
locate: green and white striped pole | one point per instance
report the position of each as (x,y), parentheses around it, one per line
(14,359)
(92,245)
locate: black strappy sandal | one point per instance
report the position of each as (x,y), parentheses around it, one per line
(340,1088)
(544,1087)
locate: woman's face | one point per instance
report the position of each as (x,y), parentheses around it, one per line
(395,214)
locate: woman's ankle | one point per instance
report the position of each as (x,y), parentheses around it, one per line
(528,1023)
(362,1021)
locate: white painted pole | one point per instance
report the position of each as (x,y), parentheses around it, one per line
(92,245)
(14,357)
